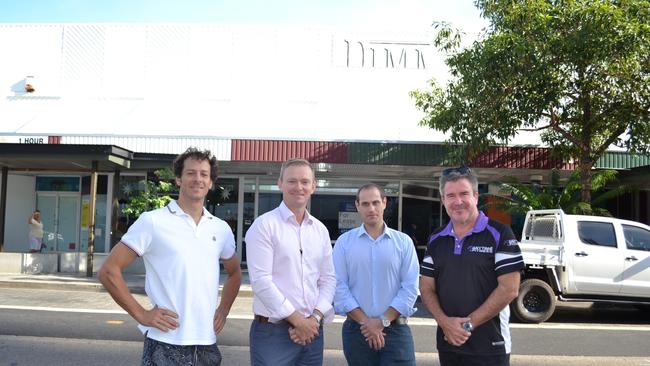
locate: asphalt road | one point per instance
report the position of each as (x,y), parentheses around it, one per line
(31,326)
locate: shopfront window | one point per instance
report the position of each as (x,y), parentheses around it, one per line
(338,213)
(100,214)
(222,201)
(334,205)
(421,212)
(128,186)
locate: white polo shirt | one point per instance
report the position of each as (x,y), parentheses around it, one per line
(181,260)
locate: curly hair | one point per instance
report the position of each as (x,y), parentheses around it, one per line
(196,154)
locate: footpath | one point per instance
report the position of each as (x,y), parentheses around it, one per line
(80,282)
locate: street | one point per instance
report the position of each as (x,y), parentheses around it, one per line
(49,327)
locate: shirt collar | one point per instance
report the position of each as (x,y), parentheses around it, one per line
(175,209)
(362,231)
(286,213)
(479,225)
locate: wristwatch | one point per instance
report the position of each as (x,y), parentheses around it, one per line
(468,326)
(384,321)
(318,318)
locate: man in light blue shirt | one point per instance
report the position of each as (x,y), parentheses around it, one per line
(376,286)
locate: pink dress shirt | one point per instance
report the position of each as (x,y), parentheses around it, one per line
(290,265)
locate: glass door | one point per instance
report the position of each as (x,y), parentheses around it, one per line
(47,204)
(68,224)
(60,215)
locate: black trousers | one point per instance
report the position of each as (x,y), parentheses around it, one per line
(459,359)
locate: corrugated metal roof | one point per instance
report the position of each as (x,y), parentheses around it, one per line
(396,154)
(622,160)
(516,157)
(267,150)
(159,145)
(500,157)
(436,154)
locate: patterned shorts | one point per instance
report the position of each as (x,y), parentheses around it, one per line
(158,353)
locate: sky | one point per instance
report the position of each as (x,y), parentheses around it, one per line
(402,14)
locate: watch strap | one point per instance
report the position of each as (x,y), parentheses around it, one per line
(384,321)
(318,317)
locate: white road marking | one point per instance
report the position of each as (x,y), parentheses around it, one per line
(340,319)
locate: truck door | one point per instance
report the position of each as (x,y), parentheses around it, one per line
(636,278)
(596,262)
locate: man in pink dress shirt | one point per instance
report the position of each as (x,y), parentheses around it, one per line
(289,256)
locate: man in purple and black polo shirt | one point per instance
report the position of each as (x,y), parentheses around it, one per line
(469,275)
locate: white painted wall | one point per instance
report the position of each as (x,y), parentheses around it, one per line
(276,82)
(21,200)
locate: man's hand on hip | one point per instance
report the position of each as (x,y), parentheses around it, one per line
(159,318)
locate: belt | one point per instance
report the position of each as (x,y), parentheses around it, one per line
(264,320)
(402,320)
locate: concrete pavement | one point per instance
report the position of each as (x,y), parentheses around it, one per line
(80,282)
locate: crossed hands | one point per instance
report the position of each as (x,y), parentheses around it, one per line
(304,331)
(453,331)
(162,319)
(373,331)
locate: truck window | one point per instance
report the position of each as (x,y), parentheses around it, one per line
(597,233)
(636,238)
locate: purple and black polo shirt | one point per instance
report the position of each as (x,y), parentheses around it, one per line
(465,272)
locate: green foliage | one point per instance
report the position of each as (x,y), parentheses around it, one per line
(517,198)
(578,71)
(156,194)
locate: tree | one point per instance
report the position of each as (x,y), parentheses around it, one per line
(517,198)
(156,194)
(578,71)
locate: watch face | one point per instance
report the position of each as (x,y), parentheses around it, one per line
(385,322)
(468,326)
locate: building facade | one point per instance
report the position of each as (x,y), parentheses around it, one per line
(89,111)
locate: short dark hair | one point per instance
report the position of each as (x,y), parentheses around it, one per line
(296,162)
(456,174)
(196,154)
(382,194)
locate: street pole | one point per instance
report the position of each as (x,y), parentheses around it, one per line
(3,206)
(91,220)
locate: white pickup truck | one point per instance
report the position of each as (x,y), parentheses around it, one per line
(581,258)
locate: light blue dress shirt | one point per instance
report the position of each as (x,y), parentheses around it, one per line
(375,274)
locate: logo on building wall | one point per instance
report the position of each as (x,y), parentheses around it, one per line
(384,54)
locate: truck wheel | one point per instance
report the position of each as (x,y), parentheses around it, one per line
(535,303)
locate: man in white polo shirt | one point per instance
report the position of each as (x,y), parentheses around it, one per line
(181,246)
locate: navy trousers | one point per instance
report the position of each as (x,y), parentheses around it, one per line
(398,349)
(270,345)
